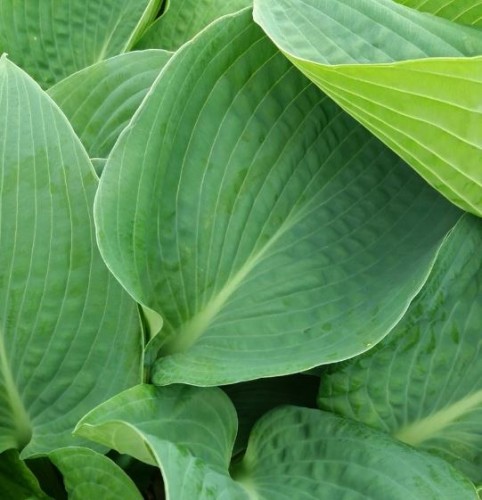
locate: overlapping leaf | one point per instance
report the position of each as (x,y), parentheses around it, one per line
(189,432)
(264,224)
(401,73)
(269,229)
(69,335)
(184,19)
(423,383)
(52,39)
(88,474)
(100,100)
(461,11)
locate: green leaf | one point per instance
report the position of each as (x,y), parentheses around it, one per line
(100,100)
(401,73)
(16,479)
(294,450)
(423,384)
(88,474)
(69,335)
(269,230)
(188,432)
(460,11)
(184,19)
(53,39)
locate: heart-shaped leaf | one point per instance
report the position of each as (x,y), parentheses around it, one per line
(270,230)
(401,73)
(69,334)
(423,383)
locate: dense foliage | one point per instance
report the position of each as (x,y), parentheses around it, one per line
(239,249)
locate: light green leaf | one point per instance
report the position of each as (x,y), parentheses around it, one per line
(460,11)
(88,474)
(100,100)
(188,432)
(16,479)
(269,230)
(423,384)
(52,39)
(184,19)
(401,73)
(294,450)
(69,334)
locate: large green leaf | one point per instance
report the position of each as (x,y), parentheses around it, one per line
(399,72)
(51,39)
(184,19)
(461,11)
(16,479)
(88,474)
(293,450)
(69,334)
(423,383)
(100,100)
(269,229)
(189,433)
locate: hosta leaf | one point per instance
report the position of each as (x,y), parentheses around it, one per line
(461,11)
(69,335)
(100,100)
(88,474)
(188,432)
(52,39)
(293,450)
(423,383)
(399,72)
(16,479)
(184,19)
(269,229)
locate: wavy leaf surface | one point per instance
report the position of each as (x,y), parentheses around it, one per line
(69,334)
(423,384)
(88,474)
(189,432)
(258,219)
(403,74)
(52,39)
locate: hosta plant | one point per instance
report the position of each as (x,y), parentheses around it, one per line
(235,261)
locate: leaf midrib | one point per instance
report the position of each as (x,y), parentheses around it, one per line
(429,427)
(20,418)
